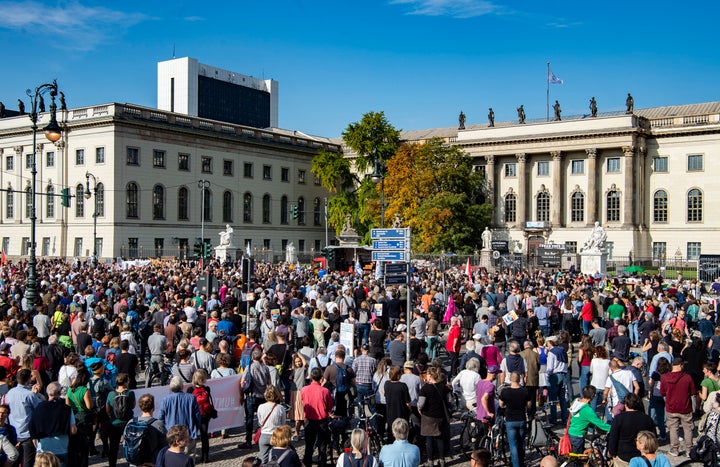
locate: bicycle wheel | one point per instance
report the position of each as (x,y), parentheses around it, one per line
(469,438)
(485,443)
(691,463)
(595,458)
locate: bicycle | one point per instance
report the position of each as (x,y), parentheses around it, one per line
(591,457)
(473,432)
(541,437)
(495,441)
(160,371)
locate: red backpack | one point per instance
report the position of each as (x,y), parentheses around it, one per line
(204,400)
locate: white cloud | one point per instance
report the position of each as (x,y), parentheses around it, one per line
(452,8)
(70,24)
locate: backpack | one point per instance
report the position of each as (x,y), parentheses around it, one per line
(350,461)
(121,408)
(272,462)
(342,379)
(136,443)
(363,316)
(246,355)
(246,385)
(515,363)
(704,450)
(204,400)
(99,393)
(110,356)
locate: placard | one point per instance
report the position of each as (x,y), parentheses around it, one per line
(347,337)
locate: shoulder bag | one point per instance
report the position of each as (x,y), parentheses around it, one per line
(258,432)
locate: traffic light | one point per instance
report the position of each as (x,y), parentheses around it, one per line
(197,249)
(65,197)
(324,252)
(294,211)
(207,250)
(330,254)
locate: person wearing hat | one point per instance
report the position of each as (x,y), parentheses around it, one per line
(414,384)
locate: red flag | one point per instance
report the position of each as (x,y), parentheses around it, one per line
(468,269)
(3,258)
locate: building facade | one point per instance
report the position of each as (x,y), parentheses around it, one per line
(149,166)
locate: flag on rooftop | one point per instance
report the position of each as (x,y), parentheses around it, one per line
(552,79)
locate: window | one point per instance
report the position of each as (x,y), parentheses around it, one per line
(266,243)
(248,170)
(481,169)
(79,201)
(610,249)
(317,217)
(227,167)
(613,206)
(693,250)
(613,164)
(25,246)
(266,207)
(227,206)
(660,164)
(301,211)
(577,167)
(46,246)
(207,205)
(6,244)
(284,174)
(99,155)
(571,247)
(9,203)
(316,180)
(184,162)
(29,160)
(577,207)
(284,210)
(50,205)
(267,172)
(283,244)
(695,162)
(301,246)
(133,156)
(28,202)
(543,207)
(79,157)
(694,206)
(660,206)
(183,204)
(131,200)
(158,202)
(10,163)
(133,247)
(317,245)
(78,247)
(159,159)
(206,164)
(159,247)
(543,168)
(247,207)
(100,200)
(511,170)
(98,246)
(510,208)
(659,250)
(301,178)
(50,159)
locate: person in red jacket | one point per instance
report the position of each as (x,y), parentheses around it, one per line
(678,389)
(453,344)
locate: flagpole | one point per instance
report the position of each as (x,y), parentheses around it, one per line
(547,94)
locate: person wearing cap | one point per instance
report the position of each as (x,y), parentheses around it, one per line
(364,367)
(414,384)
(678,389)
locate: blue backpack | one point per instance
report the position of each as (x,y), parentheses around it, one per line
(342,380)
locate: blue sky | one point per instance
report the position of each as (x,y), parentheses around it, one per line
(420,61)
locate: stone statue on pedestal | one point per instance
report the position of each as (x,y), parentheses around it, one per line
(521,114)
(593,107)
(226,236)
(487,237)
(630,104)
(491,117)
(557,110)
(596,240)
(461,121)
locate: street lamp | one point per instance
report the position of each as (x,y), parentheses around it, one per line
(53,133)
(378,175)
(203,185)
(87,195)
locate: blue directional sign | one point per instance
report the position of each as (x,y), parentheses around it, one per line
(380,234)
(396,268)
(389,244)
(389,256)
(396,280)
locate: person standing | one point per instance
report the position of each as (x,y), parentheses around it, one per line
(678,388)
(400,453)
(364,367)
(431,336)
(119,407)
(271,415)
(434,424)
(532,376)
(318,403)
(23,401)
(259,376)
(624,429)
(557,367)
(514,400)
(51,424)
(453,344)
(181,408)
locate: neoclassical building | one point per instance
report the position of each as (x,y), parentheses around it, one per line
(162,178)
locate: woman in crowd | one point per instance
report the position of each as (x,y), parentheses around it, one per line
(543,385)
(282,451)
(68,371)
(377,340)
(297,382)
(379,379)
(397,397)
(184,369)
(118,420)
(492,356)
(584,358)
(200,391)
(434,423)
(223,370)
(358,456)
(625,427)
(599,372)
(646,442)
(271,415)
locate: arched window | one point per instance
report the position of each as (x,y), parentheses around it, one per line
(247,207)
(266,209)
(9,202)
(158,201)
(301,211)
(79,200)
(227,206)
(694,205)
(131,200)
(577,207)
(510,208)
(50,205)
(613,206)
(317,217)
(100,200)
(660,206)
(183,204)
(284,210)
(543,206)
(29,202)
(207,205)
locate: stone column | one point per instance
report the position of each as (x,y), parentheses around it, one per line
(494,199)
(641,205)
(592,204)
(628,214)
(522,190)
(557,217)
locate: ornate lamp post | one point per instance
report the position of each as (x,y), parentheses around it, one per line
(53,133)
(378,175)
(87,195)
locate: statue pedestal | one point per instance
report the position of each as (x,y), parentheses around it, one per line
(592,262)
(222,251)
(486,260)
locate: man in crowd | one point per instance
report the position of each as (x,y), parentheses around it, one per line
(181,408)
(317,403)
(51,424)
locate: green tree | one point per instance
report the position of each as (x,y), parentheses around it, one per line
(435,191)
(372,139)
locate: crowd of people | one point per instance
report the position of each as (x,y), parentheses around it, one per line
(504,343)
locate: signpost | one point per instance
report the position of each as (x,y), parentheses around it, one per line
(389,244)
(383,255)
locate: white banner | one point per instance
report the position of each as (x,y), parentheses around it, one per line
(347,337)
(225,394)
